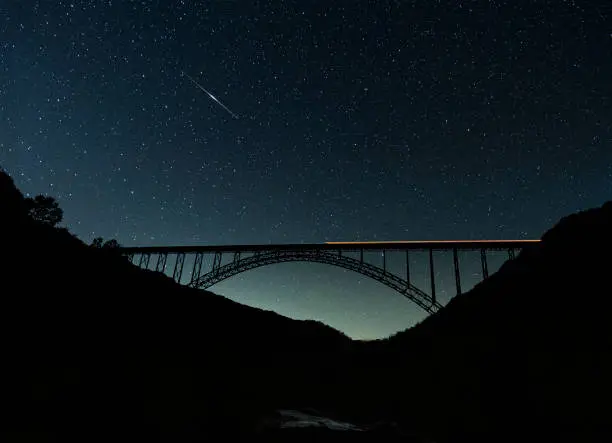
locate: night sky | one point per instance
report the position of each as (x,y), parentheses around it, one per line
(334,120)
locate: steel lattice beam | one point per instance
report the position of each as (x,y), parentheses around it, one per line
(400,285)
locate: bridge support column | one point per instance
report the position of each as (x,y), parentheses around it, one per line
(144,261)
(483,262)
(407,267)
(178,267)
(236,257)
(161,262)
(197,268)
(457,272)
(217,260)
(432,277)
(511,254)
(361,256)
(384,262)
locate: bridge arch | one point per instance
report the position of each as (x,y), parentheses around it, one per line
(259,259)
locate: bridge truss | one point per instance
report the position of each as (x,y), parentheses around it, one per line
(228,260)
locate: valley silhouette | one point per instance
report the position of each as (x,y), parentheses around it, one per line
(96,349)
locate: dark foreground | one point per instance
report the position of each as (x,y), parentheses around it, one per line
(94,349)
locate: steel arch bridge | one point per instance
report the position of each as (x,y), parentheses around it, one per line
(347,255)
(393,281)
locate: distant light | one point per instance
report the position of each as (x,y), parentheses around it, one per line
(425,241)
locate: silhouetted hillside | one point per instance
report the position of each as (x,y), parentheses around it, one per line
(525,354)
(94,347)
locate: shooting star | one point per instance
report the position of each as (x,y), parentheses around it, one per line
(211,96)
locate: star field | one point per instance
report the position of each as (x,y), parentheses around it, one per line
(356,120)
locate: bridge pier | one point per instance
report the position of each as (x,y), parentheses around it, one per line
(457,272)
(432,277)
(407,267)
(384,256)
(144,261)
(162,258)
(217,260)
(483,262)
(178,267)
(197,267)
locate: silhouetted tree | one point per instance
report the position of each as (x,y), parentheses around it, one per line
(45,209)
(99,242)
(111,244)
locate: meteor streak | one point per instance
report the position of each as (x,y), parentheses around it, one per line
(211,96)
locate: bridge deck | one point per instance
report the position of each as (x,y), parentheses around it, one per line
(335,246)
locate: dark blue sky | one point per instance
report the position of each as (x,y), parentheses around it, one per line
(356,121)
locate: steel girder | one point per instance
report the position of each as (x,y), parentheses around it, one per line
(222,272)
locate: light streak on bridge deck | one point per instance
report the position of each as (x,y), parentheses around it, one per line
(442,245)
(426,241)
(437,244)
